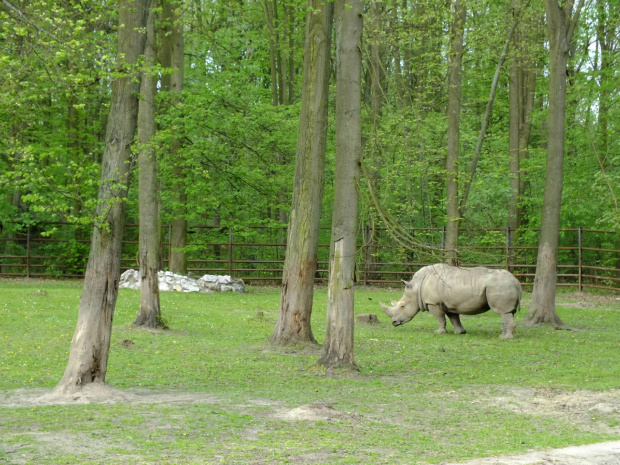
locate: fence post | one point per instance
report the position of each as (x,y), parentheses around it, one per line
(580,240)
(28,253)
(230,250)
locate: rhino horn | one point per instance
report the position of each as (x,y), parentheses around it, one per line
(386,309)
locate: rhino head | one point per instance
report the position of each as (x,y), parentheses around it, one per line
(406,308)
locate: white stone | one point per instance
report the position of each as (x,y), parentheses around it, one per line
(169,281)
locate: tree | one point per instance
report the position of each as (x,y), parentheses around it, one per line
(376,86)
(90,346)
(486,118)
(148,254)
(173,47)
(338,345)
(294,318)
(522,86)
(561,24)
(453,112)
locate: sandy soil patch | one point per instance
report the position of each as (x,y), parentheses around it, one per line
(605,453)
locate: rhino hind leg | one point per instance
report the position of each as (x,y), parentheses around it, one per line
(509,324)
(438,313)
(455,319)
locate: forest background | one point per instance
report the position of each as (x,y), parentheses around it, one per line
(226,133)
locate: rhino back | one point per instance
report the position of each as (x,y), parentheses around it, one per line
(469,290)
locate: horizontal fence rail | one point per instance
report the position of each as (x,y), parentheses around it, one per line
(588,258)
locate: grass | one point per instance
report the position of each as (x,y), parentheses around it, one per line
(419,397)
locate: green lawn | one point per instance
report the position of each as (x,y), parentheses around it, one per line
(211,391)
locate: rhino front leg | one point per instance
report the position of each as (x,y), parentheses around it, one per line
(455,319)
(438,313)
(509,324)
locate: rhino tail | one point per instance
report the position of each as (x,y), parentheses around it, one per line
(519,292)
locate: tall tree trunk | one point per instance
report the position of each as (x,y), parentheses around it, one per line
(148,192)
(338,345)
(377,77)
(522,86)
(290,15)
(487,117)
(560,28)
(398,72)
(279,66)
(294,319)
(454,108)
(178,236)
(90,346)
(267,5)
(607,33)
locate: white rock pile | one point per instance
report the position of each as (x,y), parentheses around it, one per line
(169,281)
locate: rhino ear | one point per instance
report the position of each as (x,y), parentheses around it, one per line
(407,284)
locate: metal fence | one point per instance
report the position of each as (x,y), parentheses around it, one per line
(588,258)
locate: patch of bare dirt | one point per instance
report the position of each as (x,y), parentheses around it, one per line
(317,411)
(95,394)
(590,410)
(605,453)
(587,300)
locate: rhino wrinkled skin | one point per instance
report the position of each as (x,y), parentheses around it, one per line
(445,290)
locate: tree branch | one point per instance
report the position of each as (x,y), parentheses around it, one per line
(573,21)
(23,17)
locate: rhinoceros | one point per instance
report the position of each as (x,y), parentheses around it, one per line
(453,291)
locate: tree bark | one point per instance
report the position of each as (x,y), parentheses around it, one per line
(90,346)
(178,237)
(148,192)
(294,318)
(560,27)
(454,108)
(338,345)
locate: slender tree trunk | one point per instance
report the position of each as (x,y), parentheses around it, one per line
(279,83)
(178,236)
(560,27)
(398,72)
(515,102)
(148,254)
(487,117)
(522,86)
(607,33)
(454,109)
(290,15)
(338,345)
(267,5)
(294,319)
(90,346)
(377,77)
